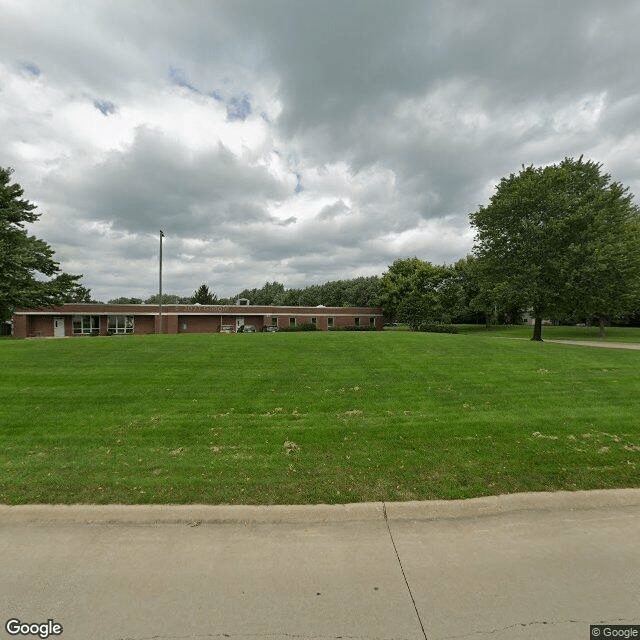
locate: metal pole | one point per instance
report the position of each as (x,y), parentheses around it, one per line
(160,285)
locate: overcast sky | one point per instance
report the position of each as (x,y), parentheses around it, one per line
(298,140)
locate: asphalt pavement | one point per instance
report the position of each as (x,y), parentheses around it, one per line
(518,566)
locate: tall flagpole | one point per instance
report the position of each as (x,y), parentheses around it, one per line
(160,284)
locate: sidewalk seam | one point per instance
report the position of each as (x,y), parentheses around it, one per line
(415,606)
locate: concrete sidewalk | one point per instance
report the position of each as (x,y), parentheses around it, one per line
(518,566)
(603,345)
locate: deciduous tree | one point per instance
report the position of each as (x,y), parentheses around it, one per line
(125,300)
(168,298)
(414,291)
(558,239)
(271,293)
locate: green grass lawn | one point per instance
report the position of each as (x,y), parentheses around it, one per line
(313,417)
(612,334)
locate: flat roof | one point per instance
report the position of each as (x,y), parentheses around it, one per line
(194,309)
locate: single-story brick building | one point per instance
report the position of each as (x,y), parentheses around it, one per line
(106,319)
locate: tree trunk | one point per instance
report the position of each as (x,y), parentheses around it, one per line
(537,329)
(602,334)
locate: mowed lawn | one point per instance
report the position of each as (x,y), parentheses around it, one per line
(312,418)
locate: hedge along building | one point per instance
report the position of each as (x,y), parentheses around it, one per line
(105,319)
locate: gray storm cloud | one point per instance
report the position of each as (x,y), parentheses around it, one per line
(298,141)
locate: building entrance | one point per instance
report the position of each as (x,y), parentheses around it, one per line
(58,327)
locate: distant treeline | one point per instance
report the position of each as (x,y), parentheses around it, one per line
(357,292)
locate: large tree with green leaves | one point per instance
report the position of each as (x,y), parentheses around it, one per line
(559,239)
(26,260)
(415,292)
(608,286)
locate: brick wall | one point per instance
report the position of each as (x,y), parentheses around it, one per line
(198,324)
(143,324)
(41,326)
(20,326)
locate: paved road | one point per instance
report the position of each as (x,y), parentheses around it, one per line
(521,566)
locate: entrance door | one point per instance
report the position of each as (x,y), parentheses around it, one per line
(239,323)
(58,327)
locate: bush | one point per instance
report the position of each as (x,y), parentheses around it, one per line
(307,326)
(437,328)
(353,328)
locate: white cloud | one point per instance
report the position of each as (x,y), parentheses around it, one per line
(297,141)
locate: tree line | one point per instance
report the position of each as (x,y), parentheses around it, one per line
(560,242)
(355,292)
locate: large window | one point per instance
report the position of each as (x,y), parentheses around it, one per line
(122,324)
(86,325)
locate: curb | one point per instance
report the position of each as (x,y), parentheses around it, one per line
(192,514)
(197,514)
(512,503)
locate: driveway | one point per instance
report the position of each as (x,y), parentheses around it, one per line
(519,566)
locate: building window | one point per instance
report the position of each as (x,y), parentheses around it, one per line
(357,321)
(372,321)
(86,325)
(292,322)
(274,321)
(314,321)
(120,324)
(330,321)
